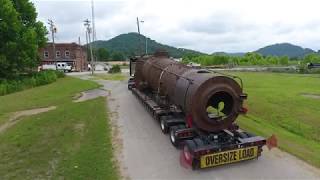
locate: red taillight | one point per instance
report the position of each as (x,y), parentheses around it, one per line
(184,134)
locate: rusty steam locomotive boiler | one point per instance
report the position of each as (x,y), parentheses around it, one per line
(197,108)
(210,101)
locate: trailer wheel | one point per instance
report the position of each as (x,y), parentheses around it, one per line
(173,138)
(163,125)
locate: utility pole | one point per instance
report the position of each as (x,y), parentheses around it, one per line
(138,25)
(81,53)
(87,45)
(94,35)
(53,30)
(88,32)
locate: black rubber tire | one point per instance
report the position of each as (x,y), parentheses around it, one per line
(163,126)
(175,141)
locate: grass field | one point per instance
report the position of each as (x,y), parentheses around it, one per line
(288,106)
(111,77)
(71,142)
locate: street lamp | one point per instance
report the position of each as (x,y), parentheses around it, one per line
(146,40)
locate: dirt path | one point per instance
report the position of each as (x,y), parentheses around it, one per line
(91,94)
(16,117)
(314,96)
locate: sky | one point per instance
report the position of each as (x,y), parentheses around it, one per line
(203,25)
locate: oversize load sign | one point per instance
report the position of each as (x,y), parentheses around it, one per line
(227,157)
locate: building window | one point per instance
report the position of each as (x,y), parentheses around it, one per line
(58,55)
(67,54)
(46,54)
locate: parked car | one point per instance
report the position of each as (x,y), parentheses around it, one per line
(60,66)
(48,67)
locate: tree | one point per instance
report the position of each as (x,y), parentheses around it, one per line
(117,56)
(284,60)
(311,58)
(21,36)
(103,54)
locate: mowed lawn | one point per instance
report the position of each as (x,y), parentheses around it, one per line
(287,105)
(71,142)
(111,77)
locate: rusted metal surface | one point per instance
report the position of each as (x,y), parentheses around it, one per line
(193,90)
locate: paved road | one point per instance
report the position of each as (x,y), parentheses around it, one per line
(148,154)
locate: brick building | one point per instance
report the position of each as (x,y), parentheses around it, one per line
(71,53)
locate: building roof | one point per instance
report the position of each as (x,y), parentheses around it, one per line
(64,44)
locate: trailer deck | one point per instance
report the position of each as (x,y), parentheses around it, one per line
(200,149)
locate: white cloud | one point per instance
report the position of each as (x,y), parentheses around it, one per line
(204,25)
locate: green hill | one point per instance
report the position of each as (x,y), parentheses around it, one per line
(284,49)
(132,44)
(129,44)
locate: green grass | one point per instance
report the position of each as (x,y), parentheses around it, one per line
(43,96)
(110,77)
(124,66)
(70,142)
(276,106)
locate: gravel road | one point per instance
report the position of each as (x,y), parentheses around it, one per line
(148,154)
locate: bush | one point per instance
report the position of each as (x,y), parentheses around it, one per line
(45,77)
(115,69)
(26,82)
(60,74)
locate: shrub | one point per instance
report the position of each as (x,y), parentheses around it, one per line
(60,74)
(115,69)
(25,82)
(45,77)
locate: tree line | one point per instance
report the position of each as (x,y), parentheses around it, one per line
(103,54)
(249,59)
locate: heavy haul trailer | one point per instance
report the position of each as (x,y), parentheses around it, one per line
(181,98)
